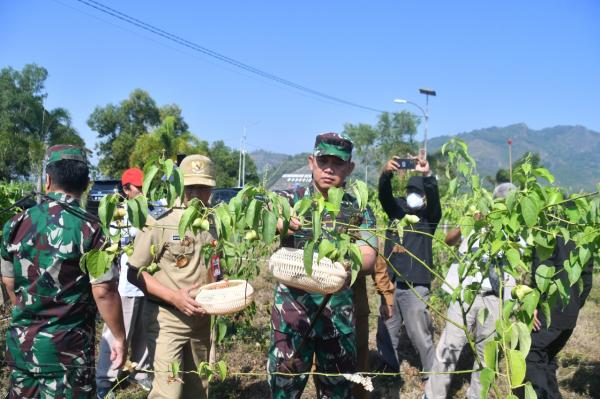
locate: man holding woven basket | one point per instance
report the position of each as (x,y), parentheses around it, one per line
(306,325)
(178,327)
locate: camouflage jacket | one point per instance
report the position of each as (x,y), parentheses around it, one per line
(293,309)
(52,326)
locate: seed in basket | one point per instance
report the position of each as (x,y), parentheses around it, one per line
(220,284)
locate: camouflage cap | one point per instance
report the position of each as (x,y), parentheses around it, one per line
(61,152)
(197,169)
(338,145)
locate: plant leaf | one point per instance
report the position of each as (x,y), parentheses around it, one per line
(325,248)
(269,227)
(543,277)
(187,218)
(251,214)
(486,377)
(529,391)
(529,211)
(137,211)
(222,329)
(544,174)
(356,258)
(516,362)
(168,168)
(148,177)
(308,257)
(334,200)
(514,258)
(303,206)
(222,369)
(178,182)
(361,192)
(524,338)
(106,210)
(530,301)
(490,354)
(316,225)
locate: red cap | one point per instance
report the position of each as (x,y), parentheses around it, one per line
(133,176)
(509,141)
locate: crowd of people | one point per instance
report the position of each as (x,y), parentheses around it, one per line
(153,320)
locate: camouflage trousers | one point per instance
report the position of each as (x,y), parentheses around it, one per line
(336,355)
(75,383)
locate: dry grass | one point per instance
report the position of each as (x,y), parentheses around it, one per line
(245,350)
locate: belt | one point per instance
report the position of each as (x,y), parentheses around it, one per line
(488,293)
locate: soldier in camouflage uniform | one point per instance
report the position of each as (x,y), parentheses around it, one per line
(50,340)
(333,339)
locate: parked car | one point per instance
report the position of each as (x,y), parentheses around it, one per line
(223,195)
(99,189)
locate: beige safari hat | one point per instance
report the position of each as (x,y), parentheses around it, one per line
(197,169)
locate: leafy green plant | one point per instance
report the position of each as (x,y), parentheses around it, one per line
(509,230)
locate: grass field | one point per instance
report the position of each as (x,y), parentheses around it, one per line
(245,350)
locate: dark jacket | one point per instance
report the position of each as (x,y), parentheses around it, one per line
(565,316)
(418,244)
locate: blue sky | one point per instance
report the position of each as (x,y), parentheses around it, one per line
(492,63)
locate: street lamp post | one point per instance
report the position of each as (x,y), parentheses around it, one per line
(510,160)
(242,164)
(424,111)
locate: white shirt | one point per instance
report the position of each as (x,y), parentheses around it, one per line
(125,287)
(452,278)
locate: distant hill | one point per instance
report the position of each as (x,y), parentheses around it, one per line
(276,164)
(571,153)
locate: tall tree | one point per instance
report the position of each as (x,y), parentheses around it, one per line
(226,163)
(27,128)
(392,135)
(166,140)
(396,133)
(119,126)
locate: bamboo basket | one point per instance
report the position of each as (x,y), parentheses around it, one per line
(225,297)
(287,266)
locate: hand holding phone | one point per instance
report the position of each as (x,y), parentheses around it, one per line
(405,163)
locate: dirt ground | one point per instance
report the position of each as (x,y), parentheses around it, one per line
(245,347)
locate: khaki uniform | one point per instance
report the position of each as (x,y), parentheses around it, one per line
(173,336)
(385,287)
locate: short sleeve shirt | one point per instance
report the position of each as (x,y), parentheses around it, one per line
(52,325)
(293,309)
(179,259)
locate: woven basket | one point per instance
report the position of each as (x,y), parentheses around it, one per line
(287,266)
(225,297)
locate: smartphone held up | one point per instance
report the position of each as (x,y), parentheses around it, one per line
(405,163)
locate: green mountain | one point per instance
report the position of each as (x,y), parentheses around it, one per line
(275,164)
(571,153)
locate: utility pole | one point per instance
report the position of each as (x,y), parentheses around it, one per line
(427,92)
(424,111)
(243,153)
(510,160)
(242,163)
